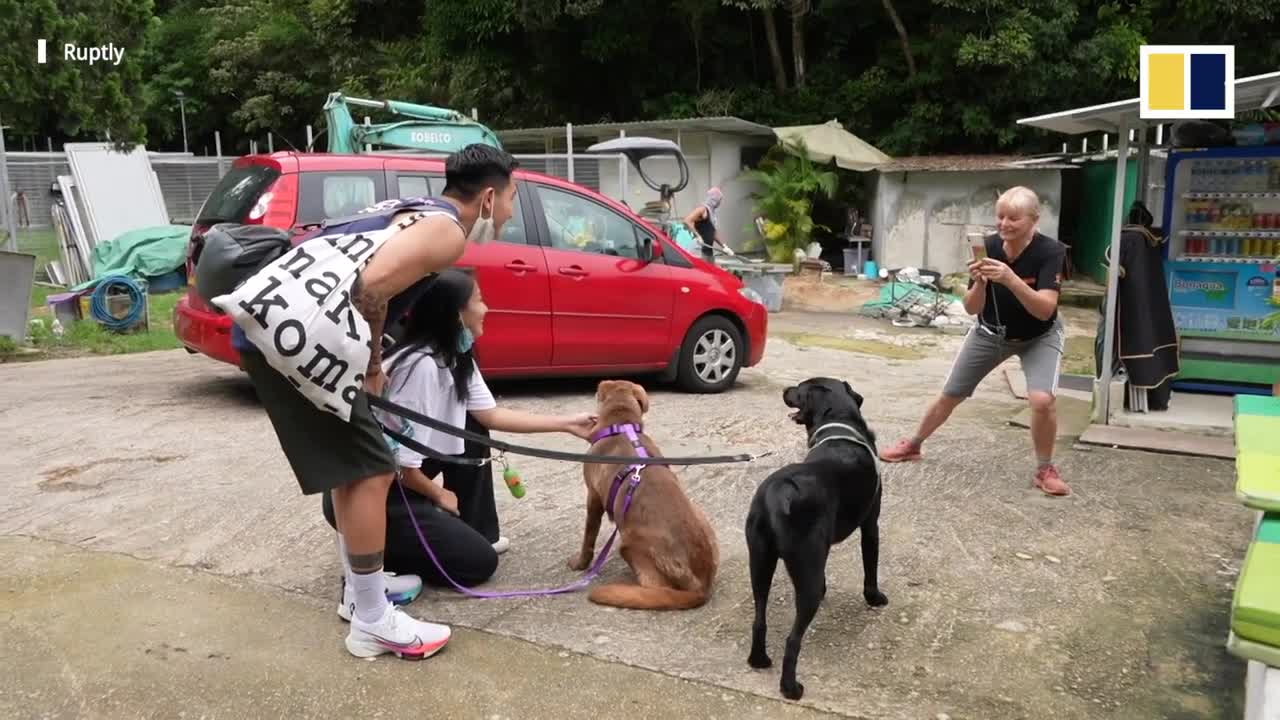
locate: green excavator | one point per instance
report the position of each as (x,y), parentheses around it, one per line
(426,129)
(440,131)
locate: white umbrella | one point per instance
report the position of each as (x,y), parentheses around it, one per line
(830,141)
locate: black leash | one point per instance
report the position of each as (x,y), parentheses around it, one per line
(507,447)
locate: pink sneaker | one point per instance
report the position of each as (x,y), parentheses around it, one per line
(1050,482)
(903,451)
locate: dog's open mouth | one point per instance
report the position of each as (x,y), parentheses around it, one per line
(795,417)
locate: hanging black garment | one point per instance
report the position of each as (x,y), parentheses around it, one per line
(1146,340)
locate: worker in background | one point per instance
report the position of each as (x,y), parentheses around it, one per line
(703,221)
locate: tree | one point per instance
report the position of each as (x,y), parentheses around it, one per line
(72,98)
(901,29)
(910,76)
(789,182)
(799,9)
(766,8)
(695,12)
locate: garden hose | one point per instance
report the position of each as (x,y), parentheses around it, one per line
(98,305)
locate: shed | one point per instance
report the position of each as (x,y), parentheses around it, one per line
(924,206)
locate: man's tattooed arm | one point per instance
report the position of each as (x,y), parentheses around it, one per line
(373,307)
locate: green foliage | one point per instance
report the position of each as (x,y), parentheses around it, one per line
(789,182)
(68,97)
(955,78)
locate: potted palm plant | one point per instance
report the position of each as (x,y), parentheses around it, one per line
(789,181)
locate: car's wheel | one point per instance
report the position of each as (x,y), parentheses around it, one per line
(711,356)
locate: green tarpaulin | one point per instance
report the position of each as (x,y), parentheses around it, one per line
(142,253)
(893,294)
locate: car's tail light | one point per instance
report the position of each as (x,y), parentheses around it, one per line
(278,206)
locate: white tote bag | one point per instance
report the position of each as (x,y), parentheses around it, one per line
(298,312)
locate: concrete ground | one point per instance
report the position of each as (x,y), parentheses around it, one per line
(157,559)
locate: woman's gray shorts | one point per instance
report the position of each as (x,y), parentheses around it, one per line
(984,351)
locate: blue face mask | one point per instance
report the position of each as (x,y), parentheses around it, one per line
(465,339)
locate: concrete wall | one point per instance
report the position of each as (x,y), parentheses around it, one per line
(921,219)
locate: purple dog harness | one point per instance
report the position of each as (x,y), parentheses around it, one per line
(631,471)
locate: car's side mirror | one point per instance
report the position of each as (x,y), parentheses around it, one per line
(649,249)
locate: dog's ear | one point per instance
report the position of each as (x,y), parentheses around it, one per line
(856,397)
(642,397)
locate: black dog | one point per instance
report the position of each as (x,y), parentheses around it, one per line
(801,510)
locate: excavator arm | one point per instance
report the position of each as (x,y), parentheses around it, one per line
(428,129)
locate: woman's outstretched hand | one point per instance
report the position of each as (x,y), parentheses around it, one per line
(580,425)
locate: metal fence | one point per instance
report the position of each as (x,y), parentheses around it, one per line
(186,181)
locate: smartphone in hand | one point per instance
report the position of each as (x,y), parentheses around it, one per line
(977,252)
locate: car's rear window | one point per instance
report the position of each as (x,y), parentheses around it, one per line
(236,193)
(331,194)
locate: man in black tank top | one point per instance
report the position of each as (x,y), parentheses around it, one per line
(703,221)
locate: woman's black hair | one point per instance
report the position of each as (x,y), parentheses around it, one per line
(434,325)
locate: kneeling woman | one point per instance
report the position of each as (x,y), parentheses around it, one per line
(432,371)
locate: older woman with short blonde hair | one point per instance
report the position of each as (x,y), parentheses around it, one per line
(1014,279)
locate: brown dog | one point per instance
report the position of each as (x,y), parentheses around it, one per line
(666,539)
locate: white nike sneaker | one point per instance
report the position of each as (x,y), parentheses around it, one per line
(397,633)
(401,590)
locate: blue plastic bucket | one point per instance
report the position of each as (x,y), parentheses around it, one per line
(869,268)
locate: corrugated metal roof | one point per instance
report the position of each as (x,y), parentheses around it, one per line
(1252,93)
(971,163)
(730,125)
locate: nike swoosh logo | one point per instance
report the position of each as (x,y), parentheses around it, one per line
(417,642)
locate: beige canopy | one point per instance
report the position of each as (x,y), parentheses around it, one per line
(830,141)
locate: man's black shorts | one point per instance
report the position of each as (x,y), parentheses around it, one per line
(324,451)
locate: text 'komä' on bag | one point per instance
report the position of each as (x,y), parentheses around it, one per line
(298,312)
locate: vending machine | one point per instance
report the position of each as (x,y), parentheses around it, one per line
(1222,217)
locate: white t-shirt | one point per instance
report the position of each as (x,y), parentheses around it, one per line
(420,384)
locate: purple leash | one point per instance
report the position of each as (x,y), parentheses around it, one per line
(596,566)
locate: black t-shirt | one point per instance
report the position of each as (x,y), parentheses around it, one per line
(1039,266)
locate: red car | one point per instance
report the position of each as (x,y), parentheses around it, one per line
(577,285)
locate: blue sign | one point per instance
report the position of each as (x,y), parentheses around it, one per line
(1203,289)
